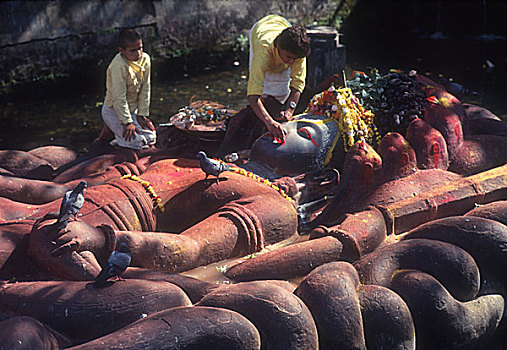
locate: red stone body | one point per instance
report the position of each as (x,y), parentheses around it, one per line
(201,222)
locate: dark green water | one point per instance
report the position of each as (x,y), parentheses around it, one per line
(68,112)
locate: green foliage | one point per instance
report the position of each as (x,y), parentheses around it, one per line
(240,44)
(368,88)
(339,16)
(109,31)
(179,52)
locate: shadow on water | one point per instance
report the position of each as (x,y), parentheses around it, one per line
(463,61)
(459,40)
(397,34)
(64,112)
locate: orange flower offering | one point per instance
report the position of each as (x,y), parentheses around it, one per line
(149,188)
(354,122)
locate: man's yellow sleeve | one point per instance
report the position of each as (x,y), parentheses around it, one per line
(256,75)
(298,74)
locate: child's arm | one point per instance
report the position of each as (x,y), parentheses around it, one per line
(143,99)
(117,77)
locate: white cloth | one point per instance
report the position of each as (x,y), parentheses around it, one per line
(143,137)
(275,84)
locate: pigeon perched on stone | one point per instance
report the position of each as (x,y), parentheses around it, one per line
(72,202)
(117,263)
(212,166)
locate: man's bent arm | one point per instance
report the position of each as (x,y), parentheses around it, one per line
(260,111)
(288,113)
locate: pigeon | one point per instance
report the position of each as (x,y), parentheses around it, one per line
(212,166)
(72,202)
(117,263)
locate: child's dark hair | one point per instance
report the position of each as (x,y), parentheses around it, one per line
(127,35)
(294,40)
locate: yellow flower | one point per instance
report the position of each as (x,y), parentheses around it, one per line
(148,188)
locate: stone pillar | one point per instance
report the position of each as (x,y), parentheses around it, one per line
(327,57)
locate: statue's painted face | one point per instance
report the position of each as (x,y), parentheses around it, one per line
(361,165)
(448,123)
(398,157)
(429,145)
(309,144)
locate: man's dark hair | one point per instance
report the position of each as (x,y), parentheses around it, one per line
(127,36)
(294,40)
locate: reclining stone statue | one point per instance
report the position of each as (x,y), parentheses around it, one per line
(433,286)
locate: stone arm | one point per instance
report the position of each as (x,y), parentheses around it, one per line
(236,230)
(236,217)
(32,191)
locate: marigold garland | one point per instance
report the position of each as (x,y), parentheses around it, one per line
(266,182)
(157,199)
(256,177)
(354,122)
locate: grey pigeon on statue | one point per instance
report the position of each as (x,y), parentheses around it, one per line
(117,263)
(72,202)
(212,166)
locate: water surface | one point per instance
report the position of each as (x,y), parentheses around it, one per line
(68,113)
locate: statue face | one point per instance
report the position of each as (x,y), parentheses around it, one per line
(429,145)
(448,123)
(398,157)
(361,165)
(309,144)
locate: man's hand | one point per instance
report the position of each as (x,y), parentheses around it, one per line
(129,131)
(277,130)
(145,123)
(287,115)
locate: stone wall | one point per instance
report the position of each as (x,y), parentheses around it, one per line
(45,39)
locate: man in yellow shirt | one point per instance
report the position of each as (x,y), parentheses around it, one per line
(277,75)
(127,103)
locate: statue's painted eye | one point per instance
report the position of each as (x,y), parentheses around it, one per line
(435,153)
(435,149)
(306,134)
(275,140)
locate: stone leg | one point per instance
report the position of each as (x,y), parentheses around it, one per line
(196,327)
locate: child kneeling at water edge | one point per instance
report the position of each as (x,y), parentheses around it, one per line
(127,103)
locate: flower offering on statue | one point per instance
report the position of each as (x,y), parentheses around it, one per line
(354,122)
(149,188)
